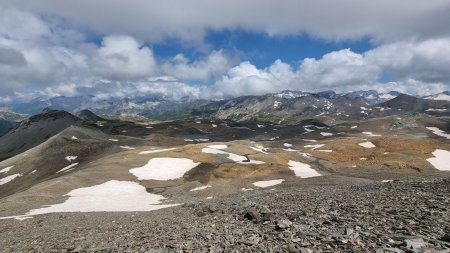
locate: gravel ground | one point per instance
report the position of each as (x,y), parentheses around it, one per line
(410,216)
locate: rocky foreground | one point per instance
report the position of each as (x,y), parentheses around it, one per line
(410,216)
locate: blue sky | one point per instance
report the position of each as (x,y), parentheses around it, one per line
(218,49)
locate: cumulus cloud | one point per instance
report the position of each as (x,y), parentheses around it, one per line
(122,58)
(44,59)
(215,65)
(419,67)
(338,68)
(246,79)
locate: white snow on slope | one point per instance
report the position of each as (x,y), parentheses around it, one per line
(114,140)
(371,134)
(164,168)
(442,97)
(200,188)
(71,158)
(302,170)
(326,134)
(268,183)
(127,147)
(219,146)
(74,138)
(213,149)
(7,169)
(387,96)
(436,110)
(439,132)
(67,168)
(441,159)
(155,151)
(8,179)
(112,196)
(314,147)
(260,148)
(325,150)
(367,144)
(287,145)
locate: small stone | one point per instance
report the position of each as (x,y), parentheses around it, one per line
(446,237)
(265,210)
(415,244)
(252,214)
(292,248)
(283,224)
(305,250)
(349,231)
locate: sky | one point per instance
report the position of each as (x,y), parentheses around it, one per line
(212,49)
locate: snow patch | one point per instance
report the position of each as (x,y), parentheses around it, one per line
(220,146)
(155,151)
(439,132)
(314,147)
(114,140)
(71,158)
(8,179)
(287,145)
(442,97)
(7,169)
(128,147)
(74,138)
(441,159)
(367,144)
(326,134)
(371,134)
(217,149)
(112,196)
(67,168)
(164,168)
(303,170)
(260,148)
(276,104)
(353,127)
(436,110)
(325,150)
(268,183)
(387,96)
(200,188)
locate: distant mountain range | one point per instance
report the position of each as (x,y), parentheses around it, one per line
(286,105)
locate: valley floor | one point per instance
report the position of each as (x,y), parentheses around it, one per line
(340,214)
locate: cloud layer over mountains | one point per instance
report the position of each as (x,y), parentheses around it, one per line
(47,48)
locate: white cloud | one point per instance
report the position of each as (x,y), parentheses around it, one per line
(123,58)
(338,68)
(425,60)
(246,79)
(215,65)
(419,68)
(42,59)
(383,20)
